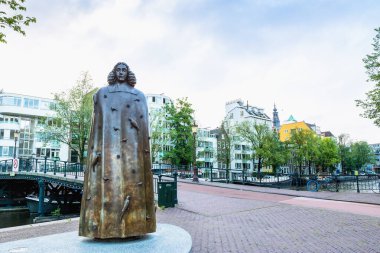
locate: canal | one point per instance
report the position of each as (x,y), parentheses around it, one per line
(10,217)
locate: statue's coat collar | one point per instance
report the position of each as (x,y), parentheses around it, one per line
(121,88)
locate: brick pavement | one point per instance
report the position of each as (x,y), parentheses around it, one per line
(245,221)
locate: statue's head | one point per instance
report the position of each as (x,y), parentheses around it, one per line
(121,73)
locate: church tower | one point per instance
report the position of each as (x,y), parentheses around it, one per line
(276,119)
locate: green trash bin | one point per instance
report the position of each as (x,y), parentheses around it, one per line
(166,194)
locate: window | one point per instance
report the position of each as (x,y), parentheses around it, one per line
(10,100)
(241,113)
(238,156)
(164,100)
(5,151)
(153,99)
(237,147)
(31,103)
(238,166)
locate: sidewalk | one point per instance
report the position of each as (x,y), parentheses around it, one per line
(365,198)
(236,218)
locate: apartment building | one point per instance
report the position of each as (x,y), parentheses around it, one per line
(20,122)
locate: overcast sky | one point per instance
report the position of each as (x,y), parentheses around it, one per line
(303,55)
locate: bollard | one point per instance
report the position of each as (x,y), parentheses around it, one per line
(36,165)
(211,174)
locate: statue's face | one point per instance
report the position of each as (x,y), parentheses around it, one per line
(121,72)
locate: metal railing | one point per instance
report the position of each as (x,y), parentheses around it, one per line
(44,165)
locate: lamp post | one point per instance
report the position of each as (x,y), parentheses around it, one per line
(194,129)
(16,138)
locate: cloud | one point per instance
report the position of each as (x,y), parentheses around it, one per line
(308,62)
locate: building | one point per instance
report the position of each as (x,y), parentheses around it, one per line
(291,126)
(22,114)
(241,152)
(206,148)
(158,126)
(276,119)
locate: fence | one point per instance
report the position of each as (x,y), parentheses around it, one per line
(44,165)
(337,183)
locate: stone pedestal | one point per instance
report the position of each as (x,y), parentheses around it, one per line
(167,238)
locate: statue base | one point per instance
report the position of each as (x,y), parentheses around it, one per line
(167,238)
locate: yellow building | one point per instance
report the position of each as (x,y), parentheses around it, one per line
(292,125)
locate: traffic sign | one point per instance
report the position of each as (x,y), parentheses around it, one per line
(15,165)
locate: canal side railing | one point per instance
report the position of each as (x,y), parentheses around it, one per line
(44,165)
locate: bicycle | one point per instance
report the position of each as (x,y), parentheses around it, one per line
(328,184)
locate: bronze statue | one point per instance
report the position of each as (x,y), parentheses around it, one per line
(118,200)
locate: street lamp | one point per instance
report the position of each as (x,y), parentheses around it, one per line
(194,129)
(16,138)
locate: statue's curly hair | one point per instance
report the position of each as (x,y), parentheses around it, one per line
(131,78)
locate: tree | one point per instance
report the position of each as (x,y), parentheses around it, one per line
(371,105)
(278,152)
(302,144)
(344,144)
(361,154)
(257,135)
(14,21)
(328,156)
(180,120)
(72,122)
(224,142)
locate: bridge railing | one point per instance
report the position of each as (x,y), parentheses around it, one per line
(44,165)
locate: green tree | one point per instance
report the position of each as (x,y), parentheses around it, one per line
(159,135)
(180,120)
(224,143)
(345,153)
(361,154)
(328,156)
(257,135)
(371,105)
(10,17)
(278,152)
(72,122)
(302,145)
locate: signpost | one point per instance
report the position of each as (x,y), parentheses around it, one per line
(15,165)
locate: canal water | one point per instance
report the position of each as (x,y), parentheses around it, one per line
(15,218)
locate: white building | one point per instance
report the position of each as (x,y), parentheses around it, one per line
(20,113)
(236,113)
(158,126)
(206,148)
(206,142)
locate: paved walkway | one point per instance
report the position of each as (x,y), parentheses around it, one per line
(366,198)
(236,219)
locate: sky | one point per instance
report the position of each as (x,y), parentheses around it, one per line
(305,56)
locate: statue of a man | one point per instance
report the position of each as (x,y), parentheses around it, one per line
(118,200)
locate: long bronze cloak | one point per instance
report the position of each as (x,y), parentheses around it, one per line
(118,198)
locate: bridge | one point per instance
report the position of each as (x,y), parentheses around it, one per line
(49,182)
